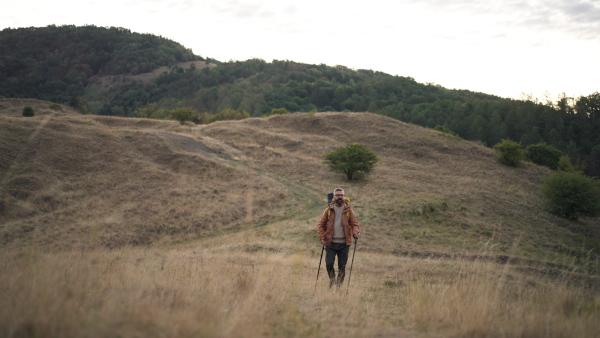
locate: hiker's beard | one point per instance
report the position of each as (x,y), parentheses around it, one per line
(339,202)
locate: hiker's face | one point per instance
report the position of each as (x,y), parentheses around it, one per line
(339,197)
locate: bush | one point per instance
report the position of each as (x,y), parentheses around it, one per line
(279,111)
(572,195)
(28,111)
(510,153)
(353,160)
(543,154)
(55,106)
(182,114)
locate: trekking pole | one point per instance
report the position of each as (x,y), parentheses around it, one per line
(353,254)
(320,260)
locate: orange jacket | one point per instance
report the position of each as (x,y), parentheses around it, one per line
(325,225)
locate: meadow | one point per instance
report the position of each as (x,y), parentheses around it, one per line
(144,228)
(231,290)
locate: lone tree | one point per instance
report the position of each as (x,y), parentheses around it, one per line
(28,111)
(353,160)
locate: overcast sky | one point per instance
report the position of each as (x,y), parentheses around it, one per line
(505,48)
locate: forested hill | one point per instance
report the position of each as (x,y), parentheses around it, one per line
(56,63)
(70,65)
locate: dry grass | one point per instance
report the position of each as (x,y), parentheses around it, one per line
(229,291)
(134,227)
(89,181)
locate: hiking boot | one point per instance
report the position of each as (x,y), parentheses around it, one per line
(341,276)
(331,273)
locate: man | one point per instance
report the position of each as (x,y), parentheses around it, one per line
(337,227)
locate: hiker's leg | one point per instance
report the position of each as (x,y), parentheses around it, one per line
(329,255)
(329,260)
(342,261)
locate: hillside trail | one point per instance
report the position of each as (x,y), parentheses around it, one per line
(21,159)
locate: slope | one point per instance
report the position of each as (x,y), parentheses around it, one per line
(431,194)
(81,181)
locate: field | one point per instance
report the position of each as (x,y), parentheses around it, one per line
(136,228)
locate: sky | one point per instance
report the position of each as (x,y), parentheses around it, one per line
(510,48)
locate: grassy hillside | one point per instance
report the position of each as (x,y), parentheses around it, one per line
(142,227)
(77,181)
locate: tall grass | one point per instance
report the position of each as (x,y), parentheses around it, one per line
(228,291)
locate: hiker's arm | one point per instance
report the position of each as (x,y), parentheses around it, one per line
(321,225)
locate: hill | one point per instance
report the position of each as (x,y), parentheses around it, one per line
(57,63)
(112,71)
(81,181)
(141,227)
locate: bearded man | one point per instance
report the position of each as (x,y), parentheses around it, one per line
(336,228)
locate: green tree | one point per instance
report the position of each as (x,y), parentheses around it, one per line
(532,136)
(572,195)
(182,114)
(564,164)
(28,111)
(543,154)
(510,153)
(353,160)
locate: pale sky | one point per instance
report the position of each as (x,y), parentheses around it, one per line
(505,48)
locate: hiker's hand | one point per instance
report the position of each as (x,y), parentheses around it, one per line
(323,240)
(356,235)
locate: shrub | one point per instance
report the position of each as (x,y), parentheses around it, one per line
(353,160)
(543,154)
(182,114)
(572,195)
(28,111)
(55,106)
(279,111)
(510,153)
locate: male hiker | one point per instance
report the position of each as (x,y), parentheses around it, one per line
(336,228)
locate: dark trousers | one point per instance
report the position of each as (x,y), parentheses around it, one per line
(341,251)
